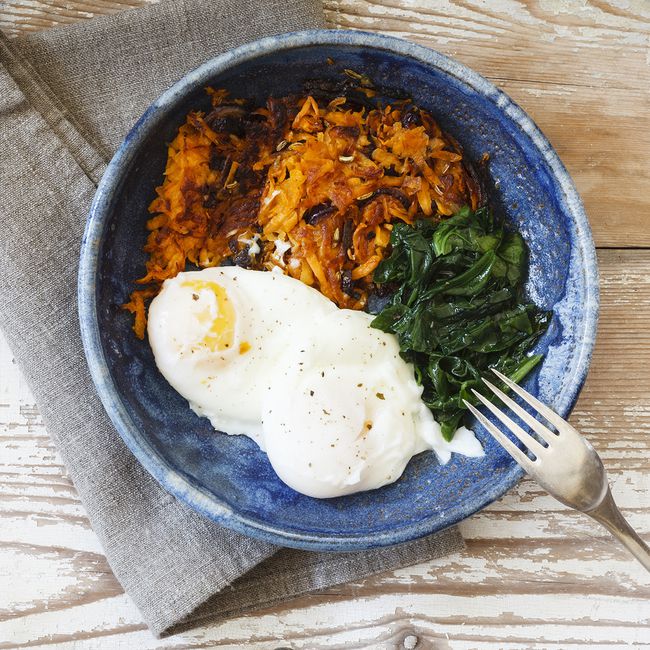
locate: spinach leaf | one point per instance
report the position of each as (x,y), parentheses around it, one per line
(459,309)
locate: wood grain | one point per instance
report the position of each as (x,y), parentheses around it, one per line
(534,575)
(580,69)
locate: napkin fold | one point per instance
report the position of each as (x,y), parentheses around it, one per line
(67,98)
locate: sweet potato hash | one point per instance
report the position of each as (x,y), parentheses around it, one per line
(310,184)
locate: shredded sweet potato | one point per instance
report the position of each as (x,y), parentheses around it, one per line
(312,187)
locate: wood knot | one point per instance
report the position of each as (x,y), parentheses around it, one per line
(410,642)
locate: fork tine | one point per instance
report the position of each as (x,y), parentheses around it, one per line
(518,432)
(545,433)
(503,440)
(542,409)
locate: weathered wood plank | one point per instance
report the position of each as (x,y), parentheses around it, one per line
(580,69)
(376,622)
(22,16)
(522,581)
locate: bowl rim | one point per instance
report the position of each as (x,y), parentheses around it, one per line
(186,488)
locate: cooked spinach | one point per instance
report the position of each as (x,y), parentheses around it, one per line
(458,307)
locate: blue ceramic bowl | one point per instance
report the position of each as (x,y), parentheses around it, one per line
(227,478)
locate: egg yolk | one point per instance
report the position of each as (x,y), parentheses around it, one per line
(221,334)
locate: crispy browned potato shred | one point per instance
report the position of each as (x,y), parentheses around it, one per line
(314,186)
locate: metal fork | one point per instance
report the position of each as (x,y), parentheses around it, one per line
(568,468)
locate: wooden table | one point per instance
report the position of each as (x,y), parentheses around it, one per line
(534,574)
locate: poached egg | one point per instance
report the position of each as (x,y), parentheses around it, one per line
(327,396)
(218,335)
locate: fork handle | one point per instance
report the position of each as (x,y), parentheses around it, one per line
(608,514)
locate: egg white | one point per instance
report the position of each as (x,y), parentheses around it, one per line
(227,385)
(327,396)
(347,413)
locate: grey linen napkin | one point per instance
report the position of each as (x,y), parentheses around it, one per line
(67,98)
